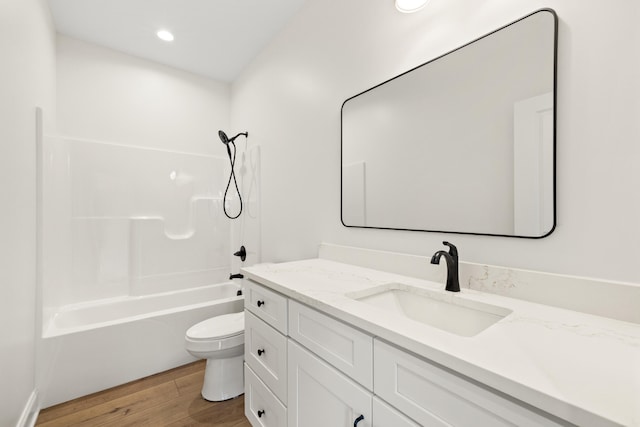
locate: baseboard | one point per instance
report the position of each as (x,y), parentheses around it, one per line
(30,412)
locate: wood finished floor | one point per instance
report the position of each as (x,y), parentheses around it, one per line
(170,399)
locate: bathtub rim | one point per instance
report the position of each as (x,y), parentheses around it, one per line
(49,329)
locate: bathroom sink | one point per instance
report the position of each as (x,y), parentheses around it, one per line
(443,310)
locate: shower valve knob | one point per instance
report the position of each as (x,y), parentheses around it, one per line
(242,253)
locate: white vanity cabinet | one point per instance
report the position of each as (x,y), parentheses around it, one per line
(312,370)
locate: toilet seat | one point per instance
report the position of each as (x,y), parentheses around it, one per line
(218,327)
(217,333)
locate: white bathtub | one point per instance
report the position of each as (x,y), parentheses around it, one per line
(109,312)
(94,346)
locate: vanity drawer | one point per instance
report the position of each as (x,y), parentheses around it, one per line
(266,354)
(261,407)
(346,348)
(268,305)
(435,397)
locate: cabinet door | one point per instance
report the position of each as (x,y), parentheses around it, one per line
(320,396)
(434,396)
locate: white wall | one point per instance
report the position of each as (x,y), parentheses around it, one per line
(289,99)
(27,77)
(110,96)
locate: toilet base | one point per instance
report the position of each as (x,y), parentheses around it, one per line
(223,379)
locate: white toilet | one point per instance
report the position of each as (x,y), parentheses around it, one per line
(220,340)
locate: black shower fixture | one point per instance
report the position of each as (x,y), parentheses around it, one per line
(242,253)
(232,175)
(225,139)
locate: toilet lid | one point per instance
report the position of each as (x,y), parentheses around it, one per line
(218,327)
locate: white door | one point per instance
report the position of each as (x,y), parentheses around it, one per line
(320,396)
(533,166)
(354,197)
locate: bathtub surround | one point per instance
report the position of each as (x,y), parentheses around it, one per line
(122,220)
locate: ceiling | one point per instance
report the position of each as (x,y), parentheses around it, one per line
(213,38)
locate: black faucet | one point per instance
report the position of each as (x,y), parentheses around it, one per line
(453,283)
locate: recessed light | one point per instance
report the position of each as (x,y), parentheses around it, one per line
(165,35)
(409,6)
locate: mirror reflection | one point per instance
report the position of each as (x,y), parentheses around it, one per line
(463,143)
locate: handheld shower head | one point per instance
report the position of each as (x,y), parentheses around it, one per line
(226,140)
(223,137)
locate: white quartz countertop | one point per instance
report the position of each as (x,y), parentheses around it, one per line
(579,367)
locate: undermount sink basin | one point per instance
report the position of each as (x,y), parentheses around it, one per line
(443,310)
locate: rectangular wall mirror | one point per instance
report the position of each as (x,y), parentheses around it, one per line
(464,143)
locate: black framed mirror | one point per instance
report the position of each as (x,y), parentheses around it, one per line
(464,143)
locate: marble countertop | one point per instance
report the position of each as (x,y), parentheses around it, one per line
(579,367)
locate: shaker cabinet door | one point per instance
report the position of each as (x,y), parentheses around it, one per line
(321,396)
